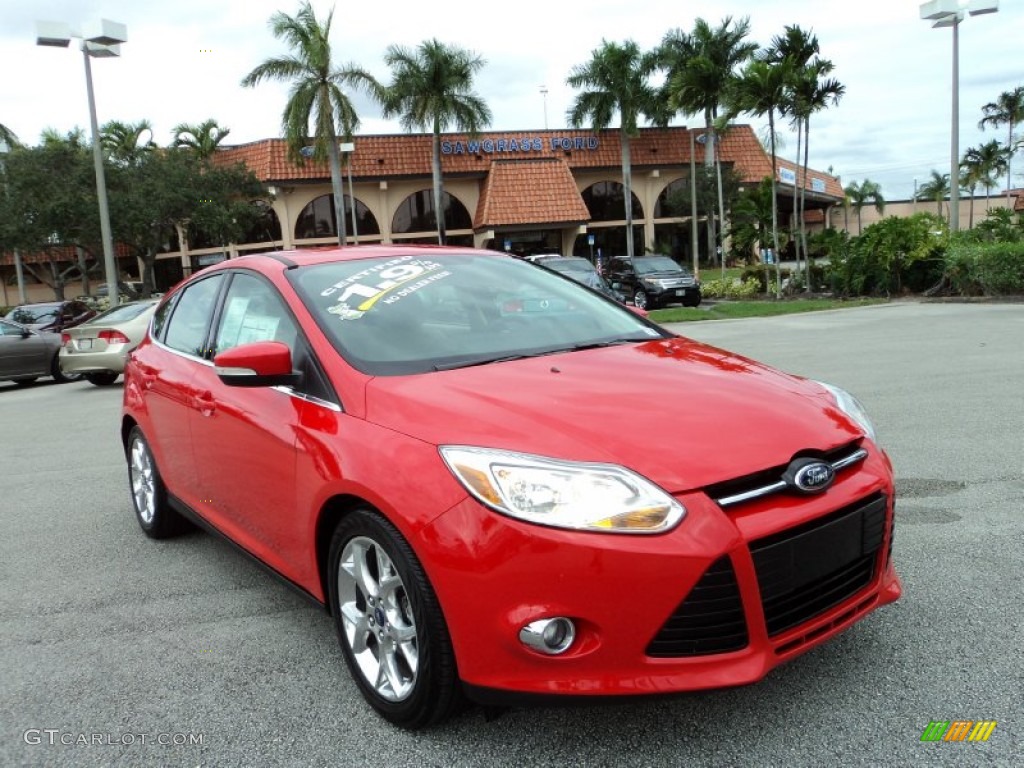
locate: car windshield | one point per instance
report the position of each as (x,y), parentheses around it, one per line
(39,313)
(121,314)
(415,313)
(645,265)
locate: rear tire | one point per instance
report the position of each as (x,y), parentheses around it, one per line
(149,496)
(58,375)
(102,379)
(389,622)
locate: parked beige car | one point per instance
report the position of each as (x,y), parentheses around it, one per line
(98,349)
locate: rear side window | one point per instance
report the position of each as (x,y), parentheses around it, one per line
(190,320)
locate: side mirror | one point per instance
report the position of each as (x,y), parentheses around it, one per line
(25,333)
(260,364)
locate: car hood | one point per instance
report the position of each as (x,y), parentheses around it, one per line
(681,413)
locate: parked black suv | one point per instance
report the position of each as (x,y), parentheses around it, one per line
(652,281)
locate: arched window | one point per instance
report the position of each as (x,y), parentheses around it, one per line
(674,200)
(317,219)
(416,213)
(605,202)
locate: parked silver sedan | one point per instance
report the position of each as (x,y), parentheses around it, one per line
(98,349)
(25,354)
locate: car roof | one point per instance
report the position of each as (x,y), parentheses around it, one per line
(313,256)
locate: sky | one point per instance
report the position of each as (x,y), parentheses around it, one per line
(184,60)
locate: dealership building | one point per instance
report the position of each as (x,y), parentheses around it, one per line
(518,191)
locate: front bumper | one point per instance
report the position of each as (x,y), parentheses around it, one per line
(681,295)
(493,575)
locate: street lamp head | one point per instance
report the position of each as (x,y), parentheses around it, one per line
(107,33)
(53,33)
(949,21)
(102,50)
(981,7)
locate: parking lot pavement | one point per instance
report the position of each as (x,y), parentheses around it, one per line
(112,645)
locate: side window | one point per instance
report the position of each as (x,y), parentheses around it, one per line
(160,318)
(186,330)
(254,312)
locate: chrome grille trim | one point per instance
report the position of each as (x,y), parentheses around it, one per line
(766,490)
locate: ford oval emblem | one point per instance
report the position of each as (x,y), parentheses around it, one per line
(809,475)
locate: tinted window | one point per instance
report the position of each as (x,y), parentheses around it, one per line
(648,264)
(123,313)
(412,314)
(253,312)
(186,330)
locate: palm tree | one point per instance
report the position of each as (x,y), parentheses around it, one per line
(985,163)
(700,67)
(862,193)
(315,95)
(615,80)
(936,188)
(123,142)
(7,136)
(761,90)
(432,90)
(1008,109)
(811,92)
(203,139)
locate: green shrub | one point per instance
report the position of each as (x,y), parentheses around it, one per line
(729,289)
(992,269)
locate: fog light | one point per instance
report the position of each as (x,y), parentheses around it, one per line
(551,636)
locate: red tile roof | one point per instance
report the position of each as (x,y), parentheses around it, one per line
(529,192)
(407,155)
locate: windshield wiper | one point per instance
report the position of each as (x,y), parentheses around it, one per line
(488,360)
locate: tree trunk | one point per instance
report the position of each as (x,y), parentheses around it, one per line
(709,163)
(797,187)
(83,269)
(337,188)
(627,190)
(803,205)
(775,208)
(435,167)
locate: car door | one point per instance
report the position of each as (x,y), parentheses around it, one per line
(22,355)
(166,372)
(243,438)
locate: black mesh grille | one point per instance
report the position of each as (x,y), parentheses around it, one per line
(709,620)
(805,571)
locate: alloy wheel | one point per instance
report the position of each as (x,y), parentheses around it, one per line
(377,618)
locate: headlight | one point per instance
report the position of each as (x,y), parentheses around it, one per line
(849,405)
(591,497)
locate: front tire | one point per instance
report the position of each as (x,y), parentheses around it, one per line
(640,300)
(149,495)
(102,378)
(389,622)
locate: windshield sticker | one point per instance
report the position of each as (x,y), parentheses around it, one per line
(388,283)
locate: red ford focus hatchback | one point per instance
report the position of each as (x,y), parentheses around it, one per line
(456,453)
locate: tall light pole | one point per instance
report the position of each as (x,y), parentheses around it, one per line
(105,44)
(347,148)
(544,95)
(949,13)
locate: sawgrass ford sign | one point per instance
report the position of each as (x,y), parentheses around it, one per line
(518,144)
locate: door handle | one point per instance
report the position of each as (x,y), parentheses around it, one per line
(205,403)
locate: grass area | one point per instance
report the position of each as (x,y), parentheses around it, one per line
(723,310)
